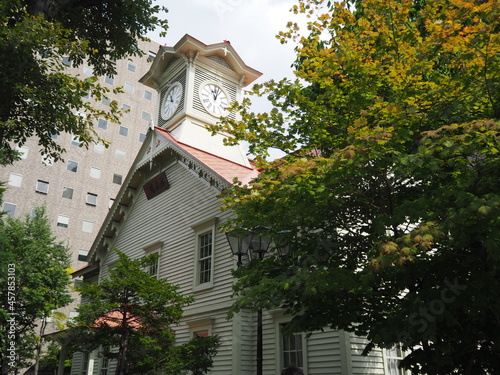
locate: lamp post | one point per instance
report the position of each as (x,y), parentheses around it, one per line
(241,241)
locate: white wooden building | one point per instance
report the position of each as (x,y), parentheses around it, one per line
(168,204)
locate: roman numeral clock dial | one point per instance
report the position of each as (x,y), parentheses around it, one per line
(171,101)
(214,99)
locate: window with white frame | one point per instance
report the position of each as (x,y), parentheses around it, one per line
(104,366)
(88,71)
(132,67)
(9,209)
(23,152)
(142,137)
(120,155)
(95,172)
(99,148)
(67,61)
(87,226)
(146,116)
(85,363)
(91,199)
(15,179)
(201,327)
(292,348)
(129,87)
(148,95)
(109,79)
(67,192)
(123,131)
(106,101)
(72,166)
(47,160)
(117,178)
(102,123)
(75,141)
(392,358)
(42,187)
(82,255)
(126,107)
(204,254)
(154,267)
(62,221)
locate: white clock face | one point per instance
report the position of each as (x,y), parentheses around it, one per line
(214,99)
(171,101)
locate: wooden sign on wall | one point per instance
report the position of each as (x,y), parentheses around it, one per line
(156,185)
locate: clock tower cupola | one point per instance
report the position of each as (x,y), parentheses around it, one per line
(196,82)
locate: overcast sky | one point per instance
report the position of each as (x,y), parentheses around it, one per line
(250,25)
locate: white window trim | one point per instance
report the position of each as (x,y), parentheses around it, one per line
(199,230)
(155,248)
(278,321)
(23,150)
(47,160)
(120,131)
(75,141)
(18,178)
(77,166)
(128,86)
(108,363)
(120,155)
(89,202)
(385,359)
(121,178)
(87,224)
(12,204)
(64,220)
(84,253)
(95,172)
(199,325)
(72,192)
(46,184)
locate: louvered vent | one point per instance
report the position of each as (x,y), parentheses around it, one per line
(219,60)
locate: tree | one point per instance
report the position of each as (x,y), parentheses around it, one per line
(134,312)
(35,276)
(51,359)
(38,97)
(389,195)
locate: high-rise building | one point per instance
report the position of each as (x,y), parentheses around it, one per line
(79,191)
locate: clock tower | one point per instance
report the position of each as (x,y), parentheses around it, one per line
(196,82)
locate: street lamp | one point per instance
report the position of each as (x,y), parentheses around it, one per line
(281,243)
(240,241)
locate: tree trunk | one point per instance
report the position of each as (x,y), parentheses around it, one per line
(121,366)
(43,325)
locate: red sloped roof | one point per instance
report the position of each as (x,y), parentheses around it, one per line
(114,319)
(225,168)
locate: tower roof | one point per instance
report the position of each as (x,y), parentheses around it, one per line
(190,48)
